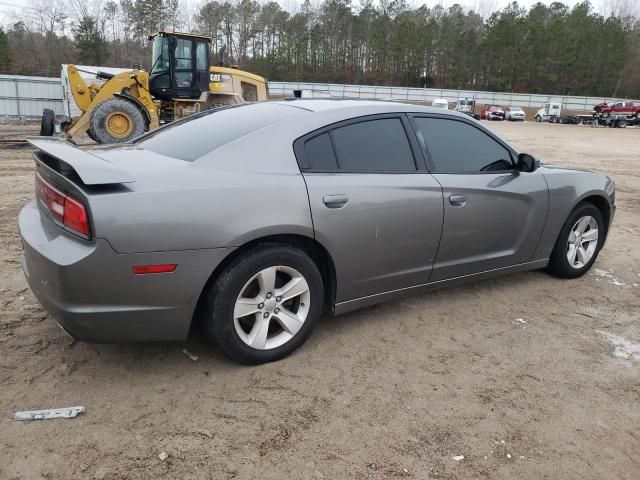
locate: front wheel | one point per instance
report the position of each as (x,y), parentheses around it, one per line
(264,305)
(116,121)
(579,242)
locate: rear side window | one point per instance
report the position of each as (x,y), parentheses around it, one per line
(320,154)
(374,145)
(457,147)
(199,134)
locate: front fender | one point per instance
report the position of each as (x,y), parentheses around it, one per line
(567,188)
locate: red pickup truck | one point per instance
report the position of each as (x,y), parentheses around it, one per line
(493,112)
(628,108)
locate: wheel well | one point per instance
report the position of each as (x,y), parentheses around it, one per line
(601,204)
(311,247)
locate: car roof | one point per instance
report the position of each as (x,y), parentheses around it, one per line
(363,107)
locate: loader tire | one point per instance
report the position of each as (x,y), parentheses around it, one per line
(47,125)
(116,121)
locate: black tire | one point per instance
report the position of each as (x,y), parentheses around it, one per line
(47,125)
(99,130)
(538,118)
(90,135)
(606,114)
(622,124)
(558,263)
(219,301)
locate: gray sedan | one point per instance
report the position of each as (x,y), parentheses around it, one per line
(254,220)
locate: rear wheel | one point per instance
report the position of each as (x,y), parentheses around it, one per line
(264,305)
(579,242)
(116,121)
(47,125)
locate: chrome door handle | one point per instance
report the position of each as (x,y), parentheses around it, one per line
(335,201)
(457,200)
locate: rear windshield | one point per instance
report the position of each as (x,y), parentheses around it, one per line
(197,135)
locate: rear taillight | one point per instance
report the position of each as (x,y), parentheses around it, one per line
(63,209)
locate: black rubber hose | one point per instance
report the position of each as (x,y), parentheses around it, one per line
(105,75)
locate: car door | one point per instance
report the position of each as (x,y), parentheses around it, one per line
(619,108)
(374,205)
(493,215)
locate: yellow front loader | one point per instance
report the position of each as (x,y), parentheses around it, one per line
(120,107)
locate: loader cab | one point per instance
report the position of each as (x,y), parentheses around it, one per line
(179,66)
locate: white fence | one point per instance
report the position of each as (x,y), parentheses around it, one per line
(426,95)
(26,97)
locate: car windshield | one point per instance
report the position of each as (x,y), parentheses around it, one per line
(199,134)
(516,109)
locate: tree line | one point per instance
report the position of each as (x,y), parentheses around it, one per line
(550,49)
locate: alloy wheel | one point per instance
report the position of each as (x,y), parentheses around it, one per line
(271,307)
(582,242)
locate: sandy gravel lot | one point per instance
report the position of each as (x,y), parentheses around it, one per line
(391,391)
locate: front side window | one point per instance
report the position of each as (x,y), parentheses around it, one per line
(160,55)
(458,147)
(373,146)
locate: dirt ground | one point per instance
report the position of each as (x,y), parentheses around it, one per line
(391,391)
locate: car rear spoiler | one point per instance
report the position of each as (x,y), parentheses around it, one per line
(91,169)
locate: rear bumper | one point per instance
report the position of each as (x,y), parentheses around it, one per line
(93,294)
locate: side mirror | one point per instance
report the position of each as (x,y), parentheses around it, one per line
(527,163)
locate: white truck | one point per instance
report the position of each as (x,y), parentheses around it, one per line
(552,112)
(468,106)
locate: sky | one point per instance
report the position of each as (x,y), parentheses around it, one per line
(7,7)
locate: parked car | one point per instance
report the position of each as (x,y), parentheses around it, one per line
(515,114)
(493,112)
(628,108)
(253,220)
(440,103)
